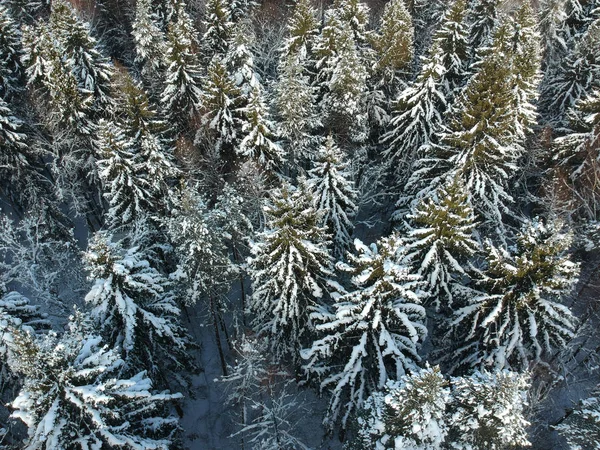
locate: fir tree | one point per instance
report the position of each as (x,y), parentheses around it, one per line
(417,118)
(488,411)
(295,101)
(14,159)
(218,29)
(440,241)
(81,51)
(134,307)
(73,398)
(582,428)
(373,333)
(516,318)
(343,77)
(356,14)
(240,59)
(394,44)
(331,186)
(11,70)
(409,413)
(240,9)
(288,267)
(150,45)
(303,29)
(483,17)
(127,192)
(452,40)
(259,131)
(181,97)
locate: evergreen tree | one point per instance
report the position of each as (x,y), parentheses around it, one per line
(452,40)
(440,241)
(393,44)
(81,52)
(240,60)
(135,309)
(488,411)
(150,45)
(11,70)
(373,333)
(408,414)
(218,27)
(417,118)
(515,318)
(343,77)
(295,101)
(482,17)
(482,141)
(14,160)
(576,77)
(221,101)
(331,186)
(303,30)
(126,191)
(73,397)
(240,9)
(582,428)
(182,95)
(259,132)
(288,267)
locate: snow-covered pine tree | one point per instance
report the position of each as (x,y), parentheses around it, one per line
(241,9)
(482,142)
(14,160)
(204,270)
(416,120)
(356,14)
(25,11)
(342,77)
(125,190)
(240,59)
(181,97)
(81,52)
(581,428)
(516,318)
(218,26)
(576,78)
(551,16)
(487,411)
(17,314)
(526,54)
(452,40)
(372,335)
(11,68)
(408,414)
(483,19)
(150,43)
(68,105)
(393,44)
(577,155)
(303,31)
(289,267)
(220,103)
(135,309)
(73,396)
(440,241)
(332,189)
(259,133)
(295,101)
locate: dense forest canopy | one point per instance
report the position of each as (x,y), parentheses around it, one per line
(303,224)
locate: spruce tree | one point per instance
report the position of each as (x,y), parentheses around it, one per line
(218,26)
(303,30)
(295,102)
(11,69)
(126,191)
(73,396)
(440,241)
(331,186)
(452,40)
(393,45)
(417,118)
(373,333)
(289,267)
(15,162)
(181,97)
(582,427)
(515,318)
(150,44)
(482,17)
(259,132)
